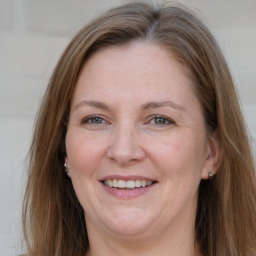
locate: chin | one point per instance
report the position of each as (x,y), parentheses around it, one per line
(133,230)
(129,223)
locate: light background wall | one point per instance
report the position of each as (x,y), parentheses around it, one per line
(33,33)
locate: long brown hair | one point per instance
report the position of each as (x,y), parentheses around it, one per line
(53,219)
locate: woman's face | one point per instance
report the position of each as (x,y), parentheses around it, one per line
(136,143)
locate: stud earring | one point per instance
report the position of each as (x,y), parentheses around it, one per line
(210,174)
(67,170)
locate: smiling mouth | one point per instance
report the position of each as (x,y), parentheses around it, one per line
(127,184)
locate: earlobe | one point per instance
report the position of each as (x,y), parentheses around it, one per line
(213,157)
(66,162)
(66,166)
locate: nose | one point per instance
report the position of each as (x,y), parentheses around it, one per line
(125,147)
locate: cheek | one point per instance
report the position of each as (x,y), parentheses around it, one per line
(83,152)
(180,154)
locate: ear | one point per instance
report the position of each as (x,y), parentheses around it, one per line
(66,162)
(213,155)
(67,168)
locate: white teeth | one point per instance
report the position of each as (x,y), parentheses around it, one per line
(130,184)
(148,183)
(115,183)
(110,183)
(121,183)
(137,183)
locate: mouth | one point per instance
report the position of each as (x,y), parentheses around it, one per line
(128,184)
(127,187)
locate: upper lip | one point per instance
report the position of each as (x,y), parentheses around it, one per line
(130,177)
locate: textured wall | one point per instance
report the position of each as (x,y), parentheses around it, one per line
(32,36)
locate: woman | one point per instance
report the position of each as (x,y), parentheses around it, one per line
(140,147)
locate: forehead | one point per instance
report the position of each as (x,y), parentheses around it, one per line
(149,57)
(137,72)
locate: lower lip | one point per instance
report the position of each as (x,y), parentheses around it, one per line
(127,193)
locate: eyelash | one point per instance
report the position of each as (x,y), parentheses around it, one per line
(89,119)
(100,120)
(167,121)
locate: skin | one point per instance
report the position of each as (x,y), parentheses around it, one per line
(166,142)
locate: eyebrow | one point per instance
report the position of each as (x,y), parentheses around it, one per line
(155,104)
(146,106)
(92,103)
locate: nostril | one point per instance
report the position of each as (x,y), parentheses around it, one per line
(126,154)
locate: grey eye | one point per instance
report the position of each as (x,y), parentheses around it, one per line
(93,120)
(161,120)
(96,120)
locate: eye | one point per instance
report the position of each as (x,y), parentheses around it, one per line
(94,120)
(161,120)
